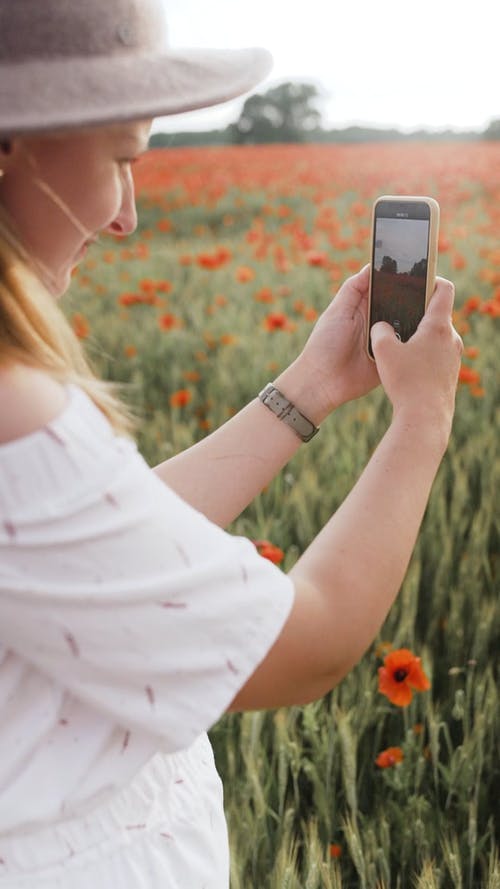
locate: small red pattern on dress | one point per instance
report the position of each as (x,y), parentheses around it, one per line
(50,432)
(126,739)
(231,667)
(73,645)
(111,499)
(167,835)
(182,553)
(173,604)
(151,695)
(63,722)
(10,529)
(135,827)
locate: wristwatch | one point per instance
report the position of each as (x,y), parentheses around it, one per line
(286,411)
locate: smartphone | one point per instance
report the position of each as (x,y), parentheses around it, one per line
(403,262)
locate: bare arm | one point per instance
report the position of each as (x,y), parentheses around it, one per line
(225,471)
(347,579)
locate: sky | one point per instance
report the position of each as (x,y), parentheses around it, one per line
(386,63)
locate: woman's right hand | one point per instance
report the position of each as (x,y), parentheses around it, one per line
(420,376)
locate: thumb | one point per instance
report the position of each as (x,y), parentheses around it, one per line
(383,338)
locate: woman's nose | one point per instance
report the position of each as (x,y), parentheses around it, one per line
(126,221)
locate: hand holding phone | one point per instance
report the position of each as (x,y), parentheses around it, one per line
(403,263)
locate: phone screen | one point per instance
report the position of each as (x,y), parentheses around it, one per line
(399,265)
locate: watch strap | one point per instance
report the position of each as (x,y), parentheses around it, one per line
(286,411)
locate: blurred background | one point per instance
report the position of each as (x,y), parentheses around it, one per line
(341,69)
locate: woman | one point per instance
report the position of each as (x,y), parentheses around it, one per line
(130,620)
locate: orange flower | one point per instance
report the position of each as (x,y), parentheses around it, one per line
(168,321)
(147,285)
(401,673)
(181,398)
(269,551)
(127,299)
(277,321)
(164,286)
(264,295)
(317,258)
(214,260)
(477,391)
(335,850)
(389,757)
(244,273)
(468,375)
(80,326)
(492,308)
(471,305)
(130,351)
(310,314)
(459,261)
(192,376)
(228,339)
(471,352)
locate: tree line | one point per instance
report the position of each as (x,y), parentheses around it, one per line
(286,113)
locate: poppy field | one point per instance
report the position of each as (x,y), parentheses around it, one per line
(392,780)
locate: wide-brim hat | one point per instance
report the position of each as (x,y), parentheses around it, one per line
(73,63)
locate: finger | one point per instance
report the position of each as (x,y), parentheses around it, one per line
(355,288)
(383,338)
(441,301)
(361,279)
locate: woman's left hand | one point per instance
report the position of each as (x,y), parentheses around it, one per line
(334,357)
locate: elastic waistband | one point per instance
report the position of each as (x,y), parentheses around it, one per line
(118,820)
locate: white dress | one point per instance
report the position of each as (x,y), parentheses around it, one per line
(128,622)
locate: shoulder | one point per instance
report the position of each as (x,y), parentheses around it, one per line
(29,399)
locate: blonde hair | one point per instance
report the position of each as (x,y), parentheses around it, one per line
(35,332)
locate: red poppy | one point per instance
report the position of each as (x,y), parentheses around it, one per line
(335,850)
(269,551)
(244,273)
(401,673)
(389,757)
(468,375)
(277,321)
(317,258)
(471,305)
(168,321)
(181,398)
(80,326)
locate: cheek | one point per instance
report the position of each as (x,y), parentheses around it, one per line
(101,196)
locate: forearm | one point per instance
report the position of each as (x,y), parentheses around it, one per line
(358,561)
(224,472)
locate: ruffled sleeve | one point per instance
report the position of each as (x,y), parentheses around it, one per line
(120,591)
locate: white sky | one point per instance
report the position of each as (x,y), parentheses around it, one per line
(402,63)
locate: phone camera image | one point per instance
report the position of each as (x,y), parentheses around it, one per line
(400,257)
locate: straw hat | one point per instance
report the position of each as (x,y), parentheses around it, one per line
(71,63)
